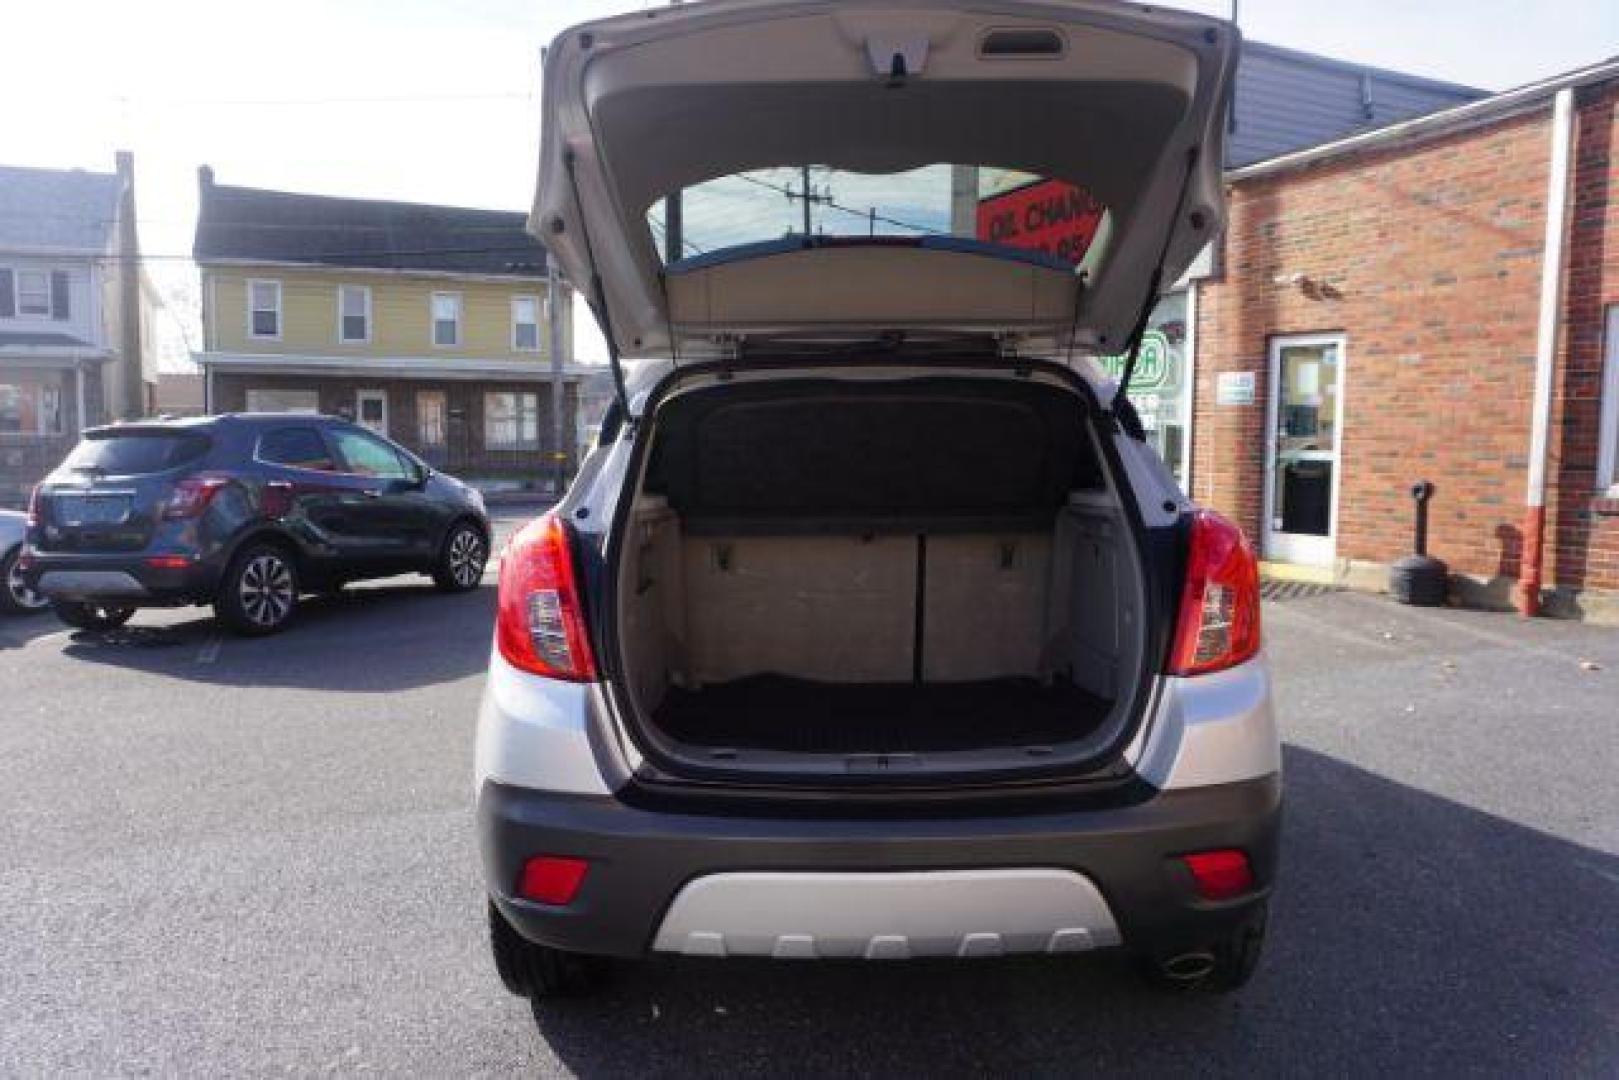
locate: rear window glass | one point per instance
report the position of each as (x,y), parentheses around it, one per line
(988,210)
(136,453)
(298,448)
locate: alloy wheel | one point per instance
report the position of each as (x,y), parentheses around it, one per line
(266,590)
(21,594)
(466,558)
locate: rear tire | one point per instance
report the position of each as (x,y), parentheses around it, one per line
(259,592)
(17,598)
(1235,958)
(461,559)
(87,615)
(537,972)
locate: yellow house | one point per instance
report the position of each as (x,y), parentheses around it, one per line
(431,325)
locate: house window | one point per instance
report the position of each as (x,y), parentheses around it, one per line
(430,419)
(30,407)
(33,293)
(446,318)
(283,401)
(511,421)
(526,323)
(353,313)
(1608,440)
(264,309)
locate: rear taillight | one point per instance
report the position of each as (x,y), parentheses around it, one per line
(33,506)
(1218,626)
(540,618)
(192,495)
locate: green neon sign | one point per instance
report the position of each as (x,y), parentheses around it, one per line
(1152,364)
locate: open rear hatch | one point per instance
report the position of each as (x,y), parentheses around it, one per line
(931,569)
(728,171)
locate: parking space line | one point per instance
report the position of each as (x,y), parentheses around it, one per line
(210,649)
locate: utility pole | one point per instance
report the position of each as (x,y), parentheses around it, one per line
(804,178)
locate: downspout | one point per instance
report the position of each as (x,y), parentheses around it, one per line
(1527,598)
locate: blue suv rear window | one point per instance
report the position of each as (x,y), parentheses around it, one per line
(115,453)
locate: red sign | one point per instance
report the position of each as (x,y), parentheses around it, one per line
(1050,216)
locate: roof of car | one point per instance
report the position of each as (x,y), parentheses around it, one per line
(204,423)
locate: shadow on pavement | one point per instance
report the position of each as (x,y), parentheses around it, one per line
(368,638)
(1411,934)
(18,630)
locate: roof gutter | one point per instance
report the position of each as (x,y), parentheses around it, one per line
(342,269)
(1488,110)
(1527,595)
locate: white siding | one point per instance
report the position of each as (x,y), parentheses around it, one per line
(84,305)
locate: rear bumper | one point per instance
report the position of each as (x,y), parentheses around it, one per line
(641,860)
(121,578)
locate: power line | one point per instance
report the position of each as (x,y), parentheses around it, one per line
(657,227)
(320,260)
(868,215)
(294,102)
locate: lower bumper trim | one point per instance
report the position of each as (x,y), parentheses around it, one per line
(642,860)
(887,916)
(86,584)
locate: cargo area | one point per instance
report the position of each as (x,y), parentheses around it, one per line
(922,567)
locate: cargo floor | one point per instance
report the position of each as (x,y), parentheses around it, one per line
(775,712)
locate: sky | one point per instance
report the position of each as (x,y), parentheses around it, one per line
(438,100)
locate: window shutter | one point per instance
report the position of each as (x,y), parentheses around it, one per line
(8,295)
(59,295)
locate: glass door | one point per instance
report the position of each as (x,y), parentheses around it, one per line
(1302,451)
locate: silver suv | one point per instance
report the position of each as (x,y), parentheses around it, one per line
(873,627)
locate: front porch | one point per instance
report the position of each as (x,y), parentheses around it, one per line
(493,429)
(44,403)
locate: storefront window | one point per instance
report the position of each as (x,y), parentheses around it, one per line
(1160,386)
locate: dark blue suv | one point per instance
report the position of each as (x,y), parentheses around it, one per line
(245,512)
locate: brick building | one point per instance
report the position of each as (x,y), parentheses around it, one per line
(1377,314)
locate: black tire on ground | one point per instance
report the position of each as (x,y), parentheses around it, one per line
(86,615)
(534,971)
(1236,957)
(259,593)
(461,558)
(15,597)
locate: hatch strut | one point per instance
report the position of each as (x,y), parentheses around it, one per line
(1121,401)
(598,294)
(1138,332)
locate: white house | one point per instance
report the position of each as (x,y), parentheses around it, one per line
(70,314)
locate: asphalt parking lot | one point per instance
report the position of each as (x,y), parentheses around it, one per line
(221,856)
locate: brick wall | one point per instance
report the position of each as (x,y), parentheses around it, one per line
(1583,530)
(1427,259)
(464,453)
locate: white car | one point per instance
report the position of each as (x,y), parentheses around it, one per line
(873,627)
(16,598)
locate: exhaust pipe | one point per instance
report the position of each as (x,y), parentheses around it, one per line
(1188,967)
